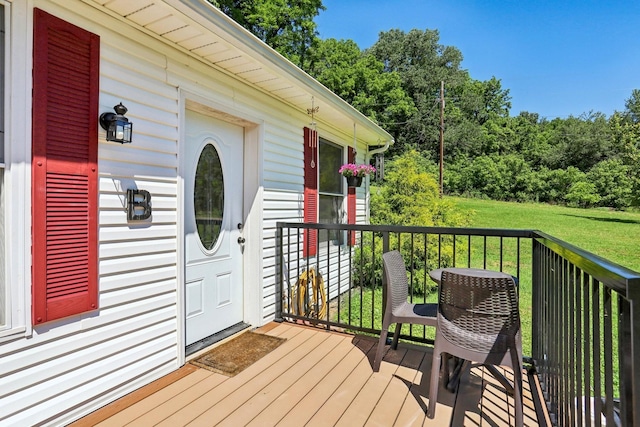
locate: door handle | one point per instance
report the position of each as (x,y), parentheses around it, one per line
(241,240)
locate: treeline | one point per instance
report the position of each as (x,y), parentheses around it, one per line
(587,160)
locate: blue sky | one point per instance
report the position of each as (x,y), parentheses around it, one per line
(557,58)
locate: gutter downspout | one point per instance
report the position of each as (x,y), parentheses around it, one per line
(367,159)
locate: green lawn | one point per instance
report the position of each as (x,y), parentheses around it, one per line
(609,234)
(612,235)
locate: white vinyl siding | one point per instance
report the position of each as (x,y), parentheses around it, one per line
(68,368)
(133,337)
(285,206)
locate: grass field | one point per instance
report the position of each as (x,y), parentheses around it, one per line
(612,235)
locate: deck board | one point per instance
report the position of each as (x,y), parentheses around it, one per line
(369,394)
(414,407)
(259,374)
(386,411)
(324,390)
(318,378)
(161,397)
(302,386)
(264,397)
(341,398)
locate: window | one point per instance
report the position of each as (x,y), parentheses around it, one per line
(324,198)
(330,189)
(208,197)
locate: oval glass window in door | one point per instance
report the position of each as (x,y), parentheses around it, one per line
(208,197)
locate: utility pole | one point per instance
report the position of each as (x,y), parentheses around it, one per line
(441,134)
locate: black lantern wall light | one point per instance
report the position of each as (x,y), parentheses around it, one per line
(118,127)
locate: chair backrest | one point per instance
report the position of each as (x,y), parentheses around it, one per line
(478,313)
(396,279)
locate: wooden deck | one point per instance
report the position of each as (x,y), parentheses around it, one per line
(318,378)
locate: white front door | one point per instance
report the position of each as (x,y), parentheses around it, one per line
(213,175)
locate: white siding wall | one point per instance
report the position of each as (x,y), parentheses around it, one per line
(288,207)
(132,339)
(71,367)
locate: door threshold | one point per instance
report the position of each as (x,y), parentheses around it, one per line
(212,339)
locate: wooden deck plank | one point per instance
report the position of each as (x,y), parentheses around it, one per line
(247,382)
(341,398)
(482,398)
(318,378)
(260,401)
(156,400)
(312,402)
(304,386)
(369,394)
(182,402)
(111,410)
(414,408)
(393,397)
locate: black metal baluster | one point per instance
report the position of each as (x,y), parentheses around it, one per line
(586,286)
(608,356)
(578,339)
(597,381)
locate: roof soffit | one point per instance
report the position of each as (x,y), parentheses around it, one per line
(213,38)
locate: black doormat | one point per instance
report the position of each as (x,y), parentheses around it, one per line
(237,354)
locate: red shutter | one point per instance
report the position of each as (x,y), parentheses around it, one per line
(310,239)
(351,201)
(66,62)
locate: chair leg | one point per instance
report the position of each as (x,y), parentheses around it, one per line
(517,386)
(381,343)
(433,386)
(396,336)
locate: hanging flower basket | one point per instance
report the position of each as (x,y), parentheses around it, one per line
(354,181)
(354,173)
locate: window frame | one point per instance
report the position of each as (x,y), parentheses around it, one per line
(323,237)
(5,315)
(17,169)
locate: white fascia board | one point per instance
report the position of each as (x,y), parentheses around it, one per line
(209,17)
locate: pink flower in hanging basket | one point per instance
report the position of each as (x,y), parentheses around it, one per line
(352,169)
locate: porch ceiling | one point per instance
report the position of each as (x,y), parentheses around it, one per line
(199,29)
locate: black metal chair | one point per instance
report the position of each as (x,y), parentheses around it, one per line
(398,310)
(478,321)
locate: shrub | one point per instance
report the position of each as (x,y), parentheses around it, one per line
(582,194)
(613,183)
(410,197)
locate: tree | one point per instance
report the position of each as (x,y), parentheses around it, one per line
(582,194)
(579,141)
(482,101)
(626,140)
(410,196)
(476,119)
(530,138)
(359,79)
(285,25)
(632,106)
(422,63)
(613,182)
